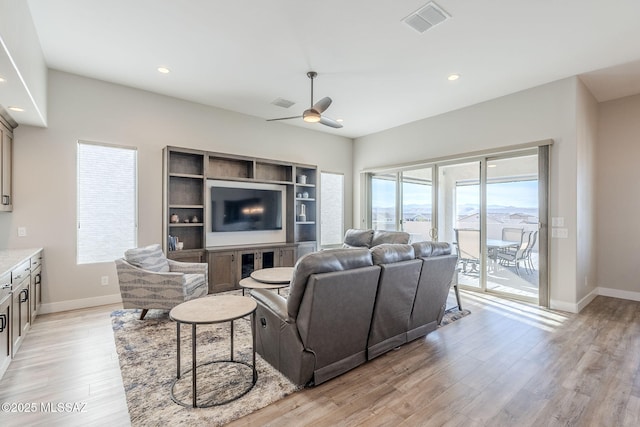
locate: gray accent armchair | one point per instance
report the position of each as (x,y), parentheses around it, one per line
(148,280)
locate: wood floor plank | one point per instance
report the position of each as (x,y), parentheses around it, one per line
(507,364)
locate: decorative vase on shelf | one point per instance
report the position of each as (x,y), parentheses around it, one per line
(303,213)
(174,218)
(305,195)
(302,179)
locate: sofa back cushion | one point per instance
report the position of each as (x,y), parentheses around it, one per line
(334,319)
(148,258)
(431,295)
(354,238)
(387,253)
(322,262)
(427,249)
(394,301)
(381,236)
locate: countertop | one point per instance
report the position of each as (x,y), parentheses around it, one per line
(12,258)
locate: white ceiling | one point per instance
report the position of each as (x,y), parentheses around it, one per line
(241,55)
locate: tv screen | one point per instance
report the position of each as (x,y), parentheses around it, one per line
(245,209)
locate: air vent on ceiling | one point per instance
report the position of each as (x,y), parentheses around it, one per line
(281,102)
(428,16)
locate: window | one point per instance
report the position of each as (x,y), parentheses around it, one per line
(107,202)
(331,208)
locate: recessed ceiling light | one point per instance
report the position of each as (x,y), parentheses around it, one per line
(453,77)
(163,70)
(17,109)
(2,80)
(339,120)
(492,166)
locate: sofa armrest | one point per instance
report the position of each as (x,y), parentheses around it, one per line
(132,279)
(274,302)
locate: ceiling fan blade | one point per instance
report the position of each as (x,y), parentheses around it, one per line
(322,105)
(284,118)
(330,122)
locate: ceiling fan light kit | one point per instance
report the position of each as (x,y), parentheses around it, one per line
(311,116)
(314,113)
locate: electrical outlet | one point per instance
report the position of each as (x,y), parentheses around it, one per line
(105,280)
(559,233)
(22,231)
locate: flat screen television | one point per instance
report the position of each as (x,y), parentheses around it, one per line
(245,209)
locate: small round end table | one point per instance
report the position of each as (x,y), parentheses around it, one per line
(209,310)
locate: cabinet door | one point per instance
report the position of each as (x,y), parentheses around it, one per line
(222,271)
(35,293)
(268,258)
(18,312)
(287,256)
(6,197)
(5,336)
(247,262)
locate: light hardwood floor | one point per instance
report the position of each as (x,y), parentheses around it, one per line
(507,364)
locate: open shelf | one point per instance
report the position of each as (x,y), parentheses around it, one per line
(185,182)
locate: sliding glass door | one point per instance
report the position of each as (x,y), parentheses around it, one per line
(512,224)
(403,201)
(459,217)
(491,208)
(417,203)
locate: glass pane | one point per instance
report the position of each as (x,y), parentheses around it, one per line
(512,225)
(459,217)
(383,202)
(107,202)
(417,203)
(331,208)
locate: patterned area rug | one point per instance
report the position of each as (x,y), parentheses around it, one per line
(453,314)
(147,353)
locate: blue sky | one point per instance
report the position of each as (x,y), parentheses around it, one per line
(523,194)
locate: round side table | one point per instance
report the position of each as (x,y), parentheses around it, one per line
(209,310)
(251,283)
(275,275)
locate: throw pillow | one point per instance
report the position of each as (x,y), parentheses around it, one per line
(148,258)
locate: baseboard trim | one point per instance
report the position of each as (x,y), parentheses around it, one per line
(56,307)
(617,293)
(563,306)
(587,299)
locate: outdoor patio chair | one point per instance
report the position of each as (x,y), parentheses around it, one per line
(519,255)
(533,238)
(468,245)
(512,234)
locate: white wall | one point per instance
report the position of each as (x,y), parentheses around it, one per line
(544,112)
(91,110)
(586,135)
(618,234)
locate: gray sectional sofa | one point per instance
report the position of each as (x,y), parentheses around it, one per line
(350,305)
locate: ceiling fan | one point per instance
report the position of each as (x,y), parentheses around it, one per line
(314,113)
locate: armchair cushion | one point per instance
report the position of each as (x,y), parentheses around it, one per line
(148,258)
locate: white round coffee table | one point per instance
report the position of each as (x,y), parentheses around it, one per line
(267,278)
(251,283)
(209,310)
(275,275)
